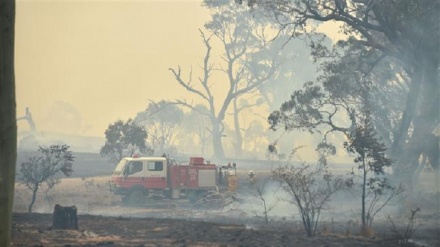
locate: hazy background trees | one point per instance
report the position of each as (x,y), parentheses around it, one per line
(241,37)
(161,120)
(197,131)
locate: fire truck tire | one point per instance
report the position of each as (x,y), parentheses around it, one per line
(136,198)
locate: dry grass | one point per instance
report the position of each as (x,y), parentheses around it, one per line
(86,193)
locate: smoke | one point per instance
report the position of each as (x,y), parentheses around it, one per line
(63,117)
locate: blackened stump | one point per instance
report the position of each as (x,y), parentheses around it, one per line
(65,217)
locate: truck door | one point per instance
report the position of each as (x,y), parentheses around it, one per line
(134,174)
(156,174)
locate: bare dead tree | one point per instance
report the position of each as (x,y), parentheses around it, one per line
(405,234)
(311,190)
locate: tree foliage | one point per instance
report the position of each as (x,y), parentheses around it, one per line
(124,139)
(331,102)
(324,150)
(46,168)
(397,39)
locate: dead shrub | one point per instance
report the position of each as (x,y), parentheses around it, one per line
(405,234)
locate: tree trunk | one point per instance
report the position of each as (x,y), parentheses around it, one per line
(364,183)
(219,153)
(401,135)
(238,137)
(202,144)
(422,140)
(418,172)
(34,195)
(8,124)
(162,145)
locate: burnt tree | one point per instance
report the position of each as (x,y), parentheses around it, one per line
(65,217)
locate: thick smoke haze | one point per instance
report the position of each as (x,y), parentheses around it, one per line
(105,59)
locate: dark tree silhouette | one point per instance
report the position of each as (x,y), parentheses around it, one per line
(371,158)
(8,124)
(124,139)
(46,168)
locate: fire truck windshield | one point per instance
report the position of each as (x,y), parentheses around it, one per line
(119,167)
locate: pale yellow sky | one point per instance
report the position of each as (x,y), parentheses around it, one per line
(104,58)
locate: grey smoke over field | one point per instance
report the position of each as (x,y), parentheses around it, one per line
(61,124)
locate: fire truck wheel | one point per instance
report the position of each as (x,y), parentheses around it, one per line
(135,198)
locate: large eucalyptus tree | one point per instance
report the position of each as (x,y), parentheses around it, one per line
(403,34)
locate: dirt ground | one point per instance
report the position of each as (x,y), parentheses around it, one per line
(34,230)
(103,221)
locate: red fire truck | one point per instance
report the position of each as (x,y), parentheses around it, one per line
(136,179)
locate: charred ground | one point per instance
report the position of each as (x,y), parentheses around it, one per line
(34,230)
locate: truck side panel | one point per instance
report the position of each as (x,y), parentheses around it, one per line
(145,182)
(177,175)
(193,177)
(207,178)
